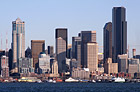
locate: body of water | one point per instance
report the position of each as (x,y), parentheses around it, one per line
(69,87)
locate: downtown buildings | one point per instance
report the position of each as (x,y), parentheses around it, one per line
(84,49)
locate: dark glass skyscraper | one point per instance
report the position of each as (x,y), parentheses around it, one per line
(119,32)
(61,48)
(86,37)
(107,41)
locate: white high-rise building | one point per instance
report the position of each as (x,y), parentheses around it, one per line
(18,41)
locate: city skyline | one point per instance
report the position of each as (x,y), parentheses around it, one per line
(75,23)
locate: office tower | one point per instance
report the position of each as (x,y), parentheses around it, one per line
(18,41)
(25,65)
(61,48)
(44,63)
(50,50)
(4,67)
(91,56)
(86,36)
(107,41)
(37,46)
(110,67)
(76,49)
(123,63)
(119,32)
(28,53)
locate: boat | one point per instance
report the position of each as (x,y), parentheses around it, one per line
(50,80)
(93,81)
(71,80)
(53,81)
(39,81)
(118,79)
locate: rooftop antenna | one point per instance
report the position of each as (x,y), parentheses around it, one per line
(6,44)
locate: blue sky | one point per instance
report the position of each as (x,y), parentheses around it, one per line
(42,17)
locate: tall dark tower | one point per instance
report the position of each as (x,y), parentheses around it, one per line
(119,32)
(86,37)
(61,48)
(107,41)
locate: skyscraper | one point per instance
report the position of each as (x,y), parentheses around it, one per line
(37,46)
(119,32)
(61,48)
(50,50)
(86,37)
(91,56)
(107,41)
(18,41)
(76,49)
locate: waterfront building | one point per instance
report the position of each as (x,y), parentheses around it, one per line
(76,49)
(110,67)
(25,65)
(86,37)
(91,56)
(82,73)
(4,67)
(37,46)
(44,63)
(123,63)
(18,41)
(50,50)
(119,32)
(61,48)
(134,66)
(107,41)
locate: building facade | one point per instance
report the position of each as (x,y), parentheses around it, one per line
(25,65)
(61,48)
(18,41)
(110,67)
(37,46)
(119,32)
(107,41)
(91,56)
(76,49)
(4,67)
(44,63)
(123,63)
